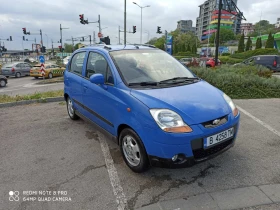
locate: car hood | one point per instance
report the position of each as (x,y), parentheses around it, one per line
(196,103)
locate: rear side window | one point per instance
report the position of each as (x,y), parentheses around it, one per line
(77,61)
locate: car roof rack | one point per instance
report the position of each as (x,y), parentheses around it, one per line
(145,45)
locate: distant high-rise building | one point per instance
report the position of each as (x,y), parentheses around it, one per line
(185,26)
(207,22)
(247,28)
(277,25)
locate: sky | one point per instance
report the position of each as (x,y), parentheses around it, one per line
(48,15)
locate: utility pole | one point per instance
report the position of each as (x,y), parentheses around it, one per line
(124,22)
(119,35)
(99,22)
(90,39)
(61,36)
(218,33)
(94,40)
(52,49)
(41,38)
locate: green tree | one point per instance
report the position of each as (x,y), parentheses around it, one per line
(248,44)
(68,48)
(225,35)
(270,41)
(241,44)
(189,48)
(258,43)
(194,49)
(160,43)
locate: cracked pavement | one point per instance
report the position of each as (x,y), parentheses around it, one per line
(42,149)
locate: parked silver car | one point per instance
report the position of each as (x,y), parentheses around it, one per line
(17,69)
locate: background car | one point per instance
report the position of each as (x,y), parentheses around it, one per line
(51,70)
(271,62)
(185,61)
(17,69)
(210,63)
(3,81)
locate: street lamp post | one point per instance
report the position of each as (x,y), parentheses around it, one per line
(141,18)
(47,40)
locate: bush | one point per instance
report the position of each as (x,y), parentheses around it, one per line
(226,54)
(229,60)
(240,86)
(189,54)
(251,53)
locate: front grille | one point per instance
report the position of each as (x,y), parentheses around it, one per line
(204,153)
(209,124)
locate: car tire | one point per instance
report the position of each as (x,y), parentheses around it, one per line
(133,151)
(18,75)
(50,76)
(208,66)
(70,109)
(36,77)
(3,83)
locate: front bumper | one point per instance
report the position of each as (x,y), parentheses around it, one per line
(200,155)
(189,147)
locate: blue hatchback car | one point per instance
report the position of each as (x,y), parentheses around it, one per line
(156,110)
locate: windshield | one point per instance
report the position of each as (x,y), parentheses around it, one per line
(138,66)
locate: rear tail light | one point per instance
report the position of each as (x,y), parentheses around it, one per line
(13,69)
(274,63)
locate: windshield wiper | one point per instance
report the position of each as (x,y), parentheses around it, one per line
(143,84)
(178,80)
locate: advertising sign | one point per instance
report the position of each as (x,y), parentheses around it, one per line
(169,43)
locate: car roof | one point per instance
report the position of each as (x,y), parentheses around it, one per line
(111,48)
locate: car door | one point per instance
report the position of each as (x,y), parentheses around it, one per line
(73,80)
(26,68)
(100,101)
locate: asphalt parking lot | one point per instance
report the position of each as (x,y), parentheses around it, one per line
(55,163)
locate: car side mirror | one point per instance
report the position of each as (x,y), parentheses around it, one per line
(97,79)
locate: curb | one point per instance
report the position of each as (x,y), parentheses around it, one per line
(26,102)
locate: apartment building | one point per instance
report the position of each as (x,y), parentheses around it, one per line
(207,22)
(277,25)
(247,28)
(185,26)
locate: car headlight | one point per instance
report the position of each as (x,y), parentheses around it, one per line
(231,104)
(170,121)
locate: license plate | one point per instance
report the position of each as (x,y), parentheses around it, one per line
(219,137)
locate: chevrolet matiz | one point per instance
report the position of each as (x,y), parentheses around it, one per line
(152,106)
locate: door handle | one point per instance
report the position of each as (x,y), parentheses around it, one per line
(85,87)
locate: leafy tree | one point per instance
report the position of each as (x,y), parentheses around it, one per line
(248,44)
(270,41)
(189,48)
(258,43)
(160,43)
(68,48)
(194,49)
(225,35)
(241,44)
(152,41)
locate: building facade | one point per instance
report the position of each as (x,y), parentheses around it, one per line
(185,26)
(277,25)
(247,28)
(207,22)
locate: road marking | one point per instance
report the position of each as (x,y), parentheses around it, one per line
(259,121)
(113,174)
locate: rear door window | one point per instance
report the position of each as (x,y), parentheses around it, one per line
(77,61)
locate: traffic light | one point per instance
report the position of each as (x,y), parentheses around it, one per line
(82,21)
(24,30)
(134,29)
(43,49)
(106,40)
(159,30)
(60,48)
(11,39)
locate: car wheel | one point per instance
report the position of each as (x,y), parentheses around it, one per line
(70,109)
(36,77)
(133,151)
(3,83)
(18,75)
(50,76)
